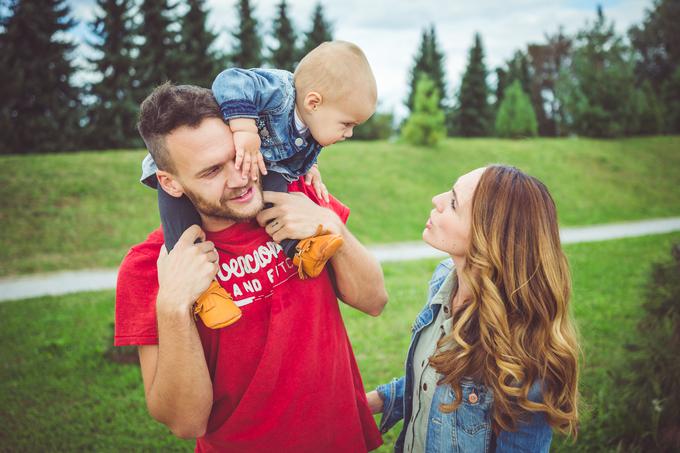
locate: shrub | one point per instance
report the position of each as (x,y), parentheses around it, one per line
(378,127)
(516,117)
(426,124)
(648,384)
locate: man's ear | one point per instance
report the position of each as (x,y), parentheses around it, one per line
(169,183)
(312,101)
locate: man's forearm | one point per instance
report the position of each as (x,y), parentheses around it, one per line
(358,276)
(180,394)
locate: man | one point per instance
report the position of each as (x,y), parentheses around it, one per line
(281,378)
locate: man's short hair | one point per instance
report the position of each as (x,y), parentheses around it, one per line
(169,107)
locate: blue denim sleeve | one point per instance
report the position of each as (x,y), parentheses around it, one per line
(245,93)
(392,394)
(532,435)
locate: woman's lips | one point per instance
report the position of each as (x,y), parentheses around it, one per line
(245,197)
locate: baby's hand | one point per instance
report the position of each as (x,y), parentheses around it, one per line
(248,155)
(313,177)
(247,144)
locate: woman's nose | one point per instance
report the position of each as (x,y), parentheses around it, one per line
(437,202)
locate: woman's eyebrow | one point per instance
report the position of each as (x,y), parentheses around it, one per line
(455,198)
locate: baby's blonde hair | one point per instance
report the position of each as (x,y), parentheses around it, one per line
(336,70)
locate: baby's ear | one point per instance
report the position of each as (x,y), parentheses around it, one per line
(312,101)
(169,184)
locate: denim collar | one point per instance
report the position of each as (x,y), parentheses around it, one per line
(448,287)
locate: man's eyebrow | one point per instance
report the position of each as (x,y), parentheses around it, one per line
(207,170)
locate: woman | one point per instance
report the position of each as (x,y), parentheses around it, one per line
(492,364)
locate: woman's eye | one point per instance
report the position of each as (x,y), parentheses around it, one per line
(453,204)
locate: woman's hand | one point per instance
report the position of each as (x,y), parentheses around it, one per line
(375,402)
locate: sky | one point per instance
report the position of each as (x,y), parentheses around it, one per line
(389,30)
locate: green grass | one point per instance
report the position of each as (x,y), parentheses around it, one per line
(59,392)
(84,210)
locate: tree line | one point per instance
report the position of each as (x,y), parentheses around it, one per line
(593,83)
(136,46)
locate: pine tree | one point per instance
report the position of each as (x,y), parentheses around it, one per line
(284,54)
(671,97)
(39,107)
(320,32)
(516,117)
(547,62)
(198,64)
(429,61)
(648,118)
(501,85)
(157,60)
(426,125)
(112,117)
(516,68)
(473,110)
(247,52)
(592,88)
(657,43)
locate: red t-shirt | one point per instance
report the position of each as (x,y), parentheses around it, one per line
(284,376)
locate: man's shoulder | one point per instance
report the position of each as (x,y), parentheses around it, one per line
(144,254)
(308,190)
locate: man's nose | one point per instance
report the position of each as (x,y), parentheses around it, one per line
(349,133)
(234,176)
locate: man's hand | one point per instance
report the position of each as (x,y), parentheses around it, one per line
(294,216)
(186,272)
(313,177)
(247,143)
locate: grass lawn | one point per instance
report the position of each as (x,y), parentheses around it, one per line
(59,392)
(84,210)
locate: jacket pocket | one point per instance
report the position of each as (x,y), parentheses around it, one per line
(473,419)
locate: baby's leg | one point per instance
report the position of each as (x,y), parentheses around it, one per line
(177,214)
(215,306)
(275,182)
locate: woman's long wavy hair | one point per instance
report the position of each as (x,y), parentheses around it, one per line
(516,329)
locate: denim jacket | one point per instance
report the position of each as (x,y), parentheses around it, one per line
(468,428)
(268,97)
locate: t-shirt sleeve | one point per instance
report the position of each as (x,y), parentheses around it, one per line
(136,292)
(336,205)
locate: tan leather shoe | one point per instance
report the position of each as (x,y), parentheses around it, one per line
(313,253)
(216,307)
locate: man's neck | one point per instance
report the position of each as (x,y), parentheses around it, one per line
(211,223)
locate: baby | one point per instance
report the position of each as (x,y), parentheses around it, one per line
(280,122)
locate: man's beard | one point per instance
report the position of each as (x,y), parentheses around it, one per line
(222,210)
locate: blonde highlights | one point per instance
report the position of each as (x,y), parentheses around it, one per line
(516,329)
